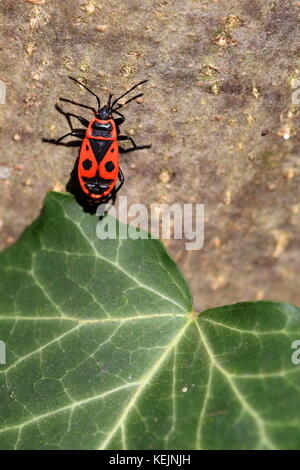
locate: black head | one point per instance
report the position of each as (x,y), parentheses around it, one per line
(104,113)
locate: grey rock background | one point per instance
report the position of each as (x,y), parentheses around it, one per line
(218,110)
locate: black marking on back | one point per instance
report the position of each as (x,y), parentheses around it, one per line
(109,166)
(101,129)
(97,185)
(87,164)
(100,147)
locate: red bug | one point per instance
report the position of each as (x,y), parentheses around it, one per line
(98,169)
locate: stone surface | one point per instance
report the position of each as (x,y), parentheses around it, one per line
(218,109)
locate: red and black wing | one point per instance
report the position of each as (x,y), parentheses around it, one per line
(98,166)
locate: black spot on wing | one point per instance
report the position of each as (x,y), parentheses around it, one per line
(87,164)
(109,166)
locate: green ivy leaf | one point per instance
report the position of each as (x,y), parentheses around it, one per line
(104,351)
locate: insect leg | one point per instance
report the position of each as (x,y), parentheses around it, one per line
(68,116)
(78,104)
(115,190)
(119,122)
(80,133)
(134,145)
(74,133)
(121,178)
(119,114)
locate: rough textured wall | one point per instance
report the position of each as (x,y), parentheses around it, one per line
(218,110)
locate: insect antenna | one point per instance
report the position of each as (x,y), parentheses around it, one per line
(128,91)
(109,100)
(128,101)
(90,91)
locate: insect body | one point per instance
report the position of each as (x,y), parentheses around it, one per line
(98,165)
(98,169)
